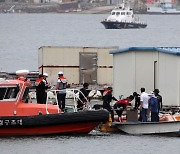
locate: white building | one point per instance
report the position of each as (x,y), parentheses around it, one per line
(148,67)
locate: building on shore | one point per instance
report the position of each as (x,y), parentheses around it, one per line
(149,67)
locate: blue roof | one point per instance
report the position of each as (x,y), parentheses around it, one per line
(170,50)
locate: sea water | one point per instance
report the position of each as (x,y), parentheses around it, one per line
(22,34)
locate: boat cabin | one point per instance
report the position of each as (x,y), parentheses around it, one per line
(121,14)
(15,100)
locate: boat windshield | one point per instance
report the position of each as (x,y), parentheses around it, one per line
(7,93)
(113,13)
(128,13)
(26,95)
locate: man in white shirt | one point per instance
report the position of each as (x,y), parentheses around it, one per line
(144,102)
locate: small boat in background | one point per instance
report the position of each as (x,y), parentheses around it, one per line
(20,117)
(164,7)
(123,18)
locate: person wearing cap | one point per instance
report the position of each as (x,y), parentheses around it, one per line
(61,87)
(47,86)
(153,106)
(40,89)
(45,76)
(159,98)
(137,100)
(144,102)
(107,98)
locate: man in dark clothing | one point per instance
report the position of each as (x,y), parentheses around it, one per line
(47,86)
(107,98)
(137,103)
(159,98)
(40,90)
(137,100)
(83,96)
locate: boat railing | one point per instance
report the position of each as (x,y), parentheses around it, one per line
(72,94)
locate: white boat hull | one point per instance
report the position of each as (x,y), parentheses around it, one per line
(141,128)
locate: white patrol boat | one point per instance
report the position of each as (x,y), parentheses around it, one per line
(122,18)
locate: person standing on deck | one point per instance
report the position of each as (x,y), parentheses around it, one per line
(159,98)
(40,89)
(61,87)
(153,106)
(107,98)
(137,103)
(47,85)
(144,98)
(83,96)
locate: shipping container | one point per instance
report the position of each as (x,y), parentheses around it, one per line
(79,64)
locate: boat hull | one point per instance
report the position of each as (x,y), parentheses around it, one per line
(144,128)
(122,25)
(81,122)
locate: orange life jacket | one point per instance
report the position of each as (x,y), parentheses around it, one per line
(38,81)
(106,91)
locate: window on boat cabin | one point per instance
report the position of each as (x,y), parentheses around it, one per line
(128,13)
(2,93)
(117,13)
(26,97)
(113,13)
(8,92)
(123,13)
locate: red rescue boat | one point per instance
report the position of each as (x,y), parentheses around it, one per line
(17,117)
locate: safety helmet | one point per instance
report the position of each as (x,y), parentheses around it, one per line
(45,74)
(60,73)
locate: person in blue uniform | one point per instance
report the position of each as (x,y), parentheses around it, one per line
(159,98)
(153,105)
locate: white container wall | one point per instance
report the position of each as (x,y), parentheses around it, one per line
(67,59)
(155,68)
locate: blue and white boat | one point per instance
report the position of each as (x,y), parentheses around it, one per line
(122,18)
